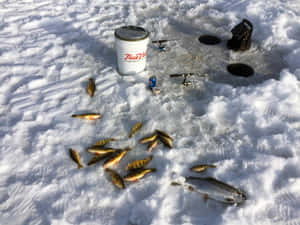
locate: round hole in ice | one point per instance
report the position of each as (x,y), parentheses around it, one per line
(209,39)
(240,69)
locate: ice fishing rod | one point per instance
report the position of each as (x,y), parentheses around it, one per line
(185,82)
(162,47)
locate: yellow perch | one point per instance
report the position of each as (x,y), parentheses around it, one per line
(76,158)
(166,141)
(148,139)
(163,133)
(97,158)
(135,128)
(100,150)
(201,168)
(136,175)
(104,141)
(88,116)
(91,88)
(116,179)
(138,164)
(152,145)
(115,159)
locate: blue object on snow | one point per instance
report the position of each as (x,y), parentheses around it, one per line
(152,82)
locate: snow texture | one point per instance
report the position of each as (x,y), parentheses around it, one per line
(248,127)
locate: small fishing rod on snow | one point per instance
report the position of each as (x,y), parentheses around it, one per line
(161,46)
(185,82)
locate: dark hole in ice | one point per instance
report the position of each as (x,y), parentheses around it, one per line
(209,39)
(240,69)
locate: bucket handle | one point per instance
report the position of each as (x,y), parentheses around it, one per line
(248,23)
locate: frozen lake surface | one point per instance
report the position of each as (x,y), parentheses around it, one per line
(248,127)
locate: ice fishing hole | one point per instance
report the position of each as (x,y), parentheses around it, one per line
(240,70)
(209,39)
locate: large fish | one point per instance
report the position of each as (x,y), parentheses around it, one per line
(212,188)
(91,88)
(104,141)
(148,139)
(116,179)
(135,128)
(99,150)
(138,164)
(76,158)
(115,159)
(88,116)
(97,158)
(138,174)
(201,168)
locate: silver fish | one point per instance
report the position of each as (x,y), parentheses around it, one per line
(212,188)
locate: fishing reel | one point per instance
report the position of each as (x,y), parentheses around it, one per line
(185,82)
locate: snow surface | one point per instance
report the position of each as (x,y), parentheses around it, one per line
(249,128)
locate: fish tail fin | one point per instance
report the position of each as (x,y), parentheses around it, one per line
(74,115)
(80,166)
(153,169)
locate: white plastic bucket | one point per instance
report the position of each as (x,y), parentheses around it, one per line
(131,47)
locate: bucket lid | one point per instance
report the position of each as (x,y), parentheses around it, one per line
(131,33)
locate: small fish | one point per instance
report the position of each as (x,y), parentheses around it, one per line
(99,150)
(135,128)
(104,141)
(97,158)
(136,175)
(88,116)
(115,159)
(174,183)
(148,139)
(91,88)
(166,141)
(163,133)
(201,168)
(76,158)
(138,164)
(152,145)
(116,179)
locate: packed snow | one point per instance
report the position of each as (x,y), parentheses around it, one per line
(248,127)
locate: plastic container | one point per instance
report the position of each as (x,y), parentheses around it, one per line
(131,46)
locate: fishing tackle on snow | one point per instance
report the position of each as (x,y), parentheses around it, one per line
(161,46)
(185,82)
